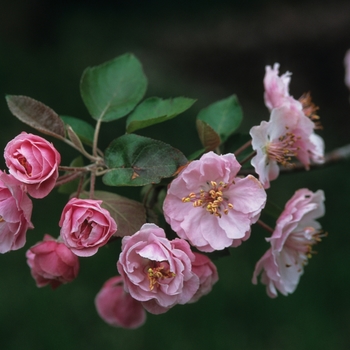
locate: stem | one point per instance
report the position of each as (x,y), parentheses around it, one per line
(72,168)
(97,131)
(265,226)
(92,184)
(217,150)
(67,178)
(82,151)
(80,186)
(242,148)
(249,157)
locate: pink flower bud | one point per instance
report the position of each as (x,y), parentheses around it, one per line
(33,161)
(51,262)
(15,213)
(207,273)
(117,307)
(85,226)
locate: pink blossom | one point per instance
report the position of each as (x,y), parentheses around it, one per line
(117,307)
(51,262)
(86,226)
(291,243)
(347,68)
(288,134)
(277,89)
(212,208)
(156,271)
(207,274)
(15,213)
(33,161)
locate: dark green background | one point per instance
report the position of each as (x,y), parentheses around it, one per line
(205,50)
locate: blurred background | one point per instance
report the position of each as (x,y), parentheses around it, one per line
(200,49)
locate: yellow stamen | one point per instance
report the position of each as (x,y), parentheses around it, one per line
(158,272)
(212,200)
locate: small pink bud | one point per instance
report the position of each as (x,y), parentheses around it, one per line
(207,273)
(117,307)
(51,262)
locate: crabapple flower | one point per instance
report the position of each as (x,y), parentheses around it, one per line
(289,133)
(207,273)
(15,213)
(51,262)
(86,226)
(33,161)
(157,272)
(212,208)
(277,89)
(291,243)
(347,68)
(117,307)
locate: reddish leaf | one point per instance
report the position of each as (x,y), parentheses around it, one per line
(36,114)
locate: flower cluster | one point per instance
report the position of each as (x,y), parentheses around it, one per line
(288,134)
(33,168)
(209,204)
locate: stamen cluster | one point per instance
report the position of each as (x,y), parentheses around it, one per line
(211,200)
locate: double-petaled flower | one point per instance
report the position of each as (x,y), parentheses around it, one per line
(292,243)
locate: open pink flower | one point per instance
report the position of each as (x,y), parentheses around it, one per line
(207,273)
(117,307)
(210,206)
(33,161)
(291,243)
(288,134)
(51,262)
(277,89)
(156,271)
(15,213)
(86,226)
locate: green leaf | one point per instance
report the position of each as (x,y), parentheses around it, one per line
(37,115)
(155,110)
(113,89)
(136,160)
(209,138)
(223,116)
(129,215)
(83,129)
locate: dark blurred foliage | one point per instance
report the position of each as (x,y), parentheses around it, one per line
(205,50)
